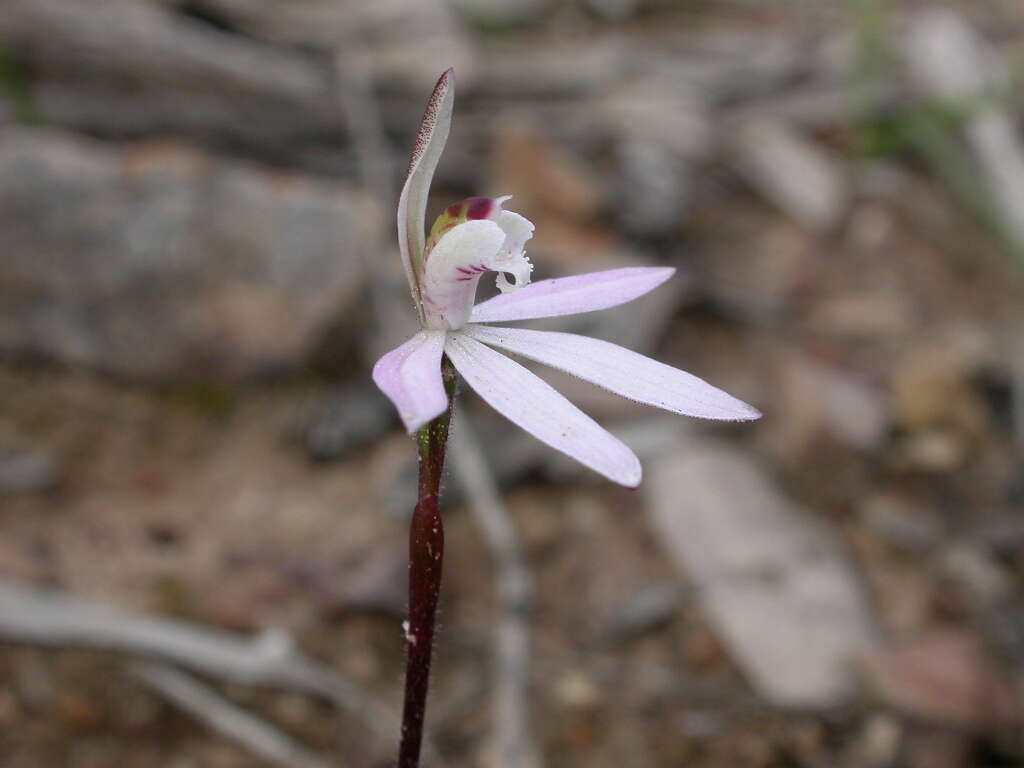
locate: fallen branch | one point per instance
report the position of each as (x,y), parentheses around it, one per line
(360,110)
(513,743)
(31,615)
(221,715)
(951,63)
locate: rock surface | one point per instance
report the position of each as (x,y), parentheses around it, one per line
(131,69)
(772,578)
(159,261)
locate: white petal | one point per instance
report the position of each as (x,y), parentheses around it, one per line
(518,229)
(453,270)
(532,404)
(572,295)
(410,375)
(620,370)
(412,203)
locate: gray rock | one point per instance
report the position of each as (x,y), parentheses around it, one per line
(405,41)
(160,261)
(22,472)
(647,610)
(791,172)
(654,188)
(773,579)
(345,420)
(122,68)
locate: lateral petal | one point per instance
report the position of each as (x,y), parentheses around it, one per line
(619,370)
(532,404)
(572,295)
(410,375)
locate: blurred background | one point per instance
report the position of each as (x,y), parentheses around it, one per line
(204,501)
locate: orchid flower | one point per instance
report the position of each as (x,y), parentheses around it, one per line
(477,236)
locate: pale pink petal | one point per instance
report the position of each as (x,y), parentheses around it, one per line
(411,376)
(532,404)
(572,295)
(412,203)
(619,370)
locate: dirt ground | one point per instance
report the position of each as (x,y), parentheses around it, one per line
(243,486)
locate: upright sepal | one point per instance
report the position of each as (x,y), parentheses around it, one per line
(412,203)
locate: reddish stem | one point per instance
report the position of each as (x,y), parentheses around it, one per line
(426,558)
(426,554)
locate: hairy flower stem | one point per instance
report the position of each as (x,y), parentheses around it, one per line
(426,558)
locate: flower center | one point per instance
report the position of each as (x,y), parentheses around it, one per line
(467,240)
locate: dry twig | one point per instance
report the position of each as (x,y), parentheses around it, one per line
(30,615)
(221,715)
(513,744)
(952,63)
(354,85)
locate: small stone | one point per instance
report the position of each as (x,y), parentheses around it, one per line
(644,611)
(879,742)
(898,521)
(970,565)
(27,473)
(578,691)
(819,400)
(934,389)
(344,420)
(946,677)
(654,188)
(935,451)
(792,172)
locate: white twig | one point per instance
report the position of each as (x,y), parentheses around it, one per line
(221,715)
(952,62)
(31,615)
(375,166)
(362,117)
(513,744)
